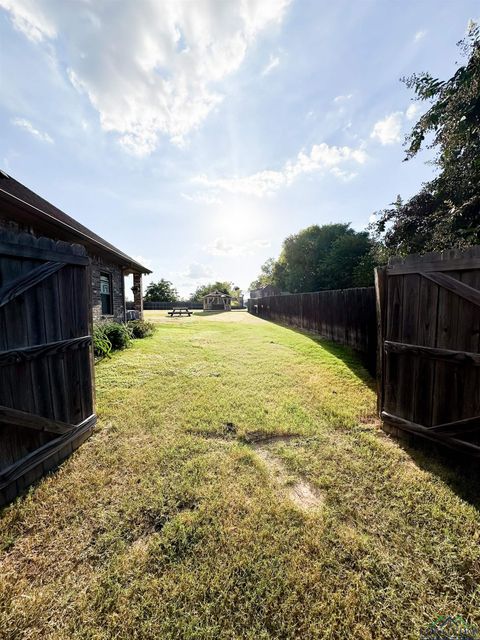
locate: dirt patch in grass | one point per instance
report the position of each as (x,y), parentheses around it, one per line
(260,437)
(301,493)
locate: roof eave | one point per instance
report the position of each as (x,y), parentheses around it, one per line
(125,260)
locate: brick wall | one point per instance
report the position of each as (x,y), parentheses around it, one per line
(98,267)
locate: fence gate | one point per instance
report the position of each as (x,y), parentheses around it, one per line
(46,372)
(429,325)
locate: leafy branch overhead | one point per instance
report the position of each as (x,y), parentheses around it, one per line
(446,211)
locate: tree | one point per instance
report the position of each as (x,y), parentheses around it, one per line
(162,291)
(266,276)
(332,256)
(350,263)
(202,290)
(446,211)
(303,258)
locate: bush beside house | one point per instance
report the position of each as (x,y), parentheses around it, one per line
(113,336)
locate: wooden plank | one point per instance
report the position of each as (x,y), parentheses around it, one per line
(455,286)
(407,425)
(459,264)
(22,466)
(381,281)
(469,339)
(447,355)
(426,336)
(458,427)
(37,253)
(26,281)
(31,421)
(25,354)
(71,330)
(408,364)
(446,406)
(393,332)
(16,441)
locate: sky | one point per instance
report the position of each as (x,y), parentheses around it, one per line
(195,135)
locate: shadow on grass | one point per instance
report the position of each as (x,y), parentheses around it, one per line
(357,362)
(458,470)
(213,312)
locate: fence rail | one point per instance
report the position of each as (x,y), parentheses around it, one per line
(346,316)
(165,306)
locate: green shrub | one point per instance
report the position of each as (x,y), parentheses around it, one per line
(119,335)
(110,336)
(141,328)
(101,343)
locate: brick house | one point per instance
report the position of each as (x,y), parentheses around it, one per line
(23,210)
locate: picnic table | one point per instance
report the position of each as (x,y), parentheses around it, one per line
(180,311)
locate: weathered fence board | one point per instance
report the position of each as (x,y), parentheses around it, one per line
(46,373)
(429,328)
(346,316)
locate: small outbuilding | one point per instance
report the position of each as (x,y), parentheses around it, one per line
(217,301)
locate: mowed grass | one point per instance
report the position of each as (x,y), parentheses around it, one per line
(168,524)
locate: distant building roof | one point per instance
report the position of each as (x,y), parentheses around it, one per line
(218,294)
(267,290)
(32,209)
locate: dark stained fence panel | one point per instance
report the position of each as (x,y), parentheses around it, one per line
(430,341)
(46,372)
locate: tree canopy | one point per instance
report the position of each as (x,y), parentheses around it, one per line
(332,256)
(202,290)
(162,291)
(446,211)
(266,276)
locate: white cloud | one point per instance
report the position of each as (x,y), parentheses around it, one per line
(197,271)
(202,198)
(22,123)
(28,18)
(388,130)
(345,98)
(419,35)
(322,158)
(272,63)
(149,68)
(412,112)
(221,247)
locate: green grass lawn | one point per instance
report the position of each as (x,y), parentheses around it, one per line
(172,523)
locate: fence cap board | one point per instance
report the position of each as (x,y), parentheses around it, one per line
(451,260)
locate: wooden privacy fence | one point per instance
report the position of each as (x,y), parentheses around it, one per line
(165,306)
(429,360)
(46,372)
(346,316)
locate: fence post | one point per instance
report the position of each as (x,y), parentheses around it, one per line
(380,303)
